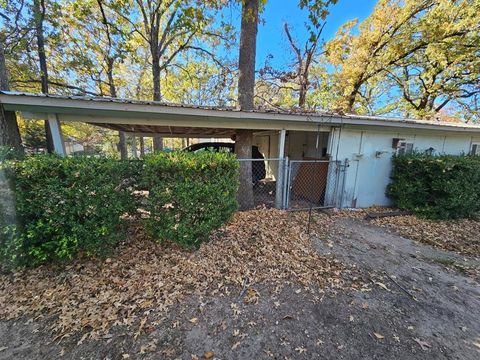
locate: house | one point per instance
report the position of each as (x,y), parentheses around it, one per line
(330,159)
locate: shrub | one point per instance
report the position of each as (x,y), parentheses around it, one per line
(64,206)
(190,194)
(436,187)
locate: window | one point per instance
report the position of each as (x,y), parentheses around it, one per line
(404,148)
(475,150)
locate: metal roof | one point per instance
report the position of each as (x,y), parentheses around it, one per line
(160,117)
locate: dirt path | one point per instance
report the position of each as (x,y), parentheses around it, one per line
(382,321)
(425,299)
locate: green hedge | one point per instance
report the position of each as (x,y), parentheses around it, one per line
(190,194)
(436,187)
(64,206)
(61,207)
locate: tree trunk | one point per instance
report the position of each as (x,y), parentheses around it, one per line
(39,15)
(302,98)
(157,94)
(122,143)
(9,133)
(243,149)
(142,147)
(246,88)
(246,61)
(157,144)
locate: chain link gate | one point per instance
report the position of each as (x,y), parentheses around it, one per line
(314,184)
(296,184)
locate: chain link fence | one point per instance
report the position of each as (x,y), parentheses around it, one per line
(313,184)
(267,182)
(293,185)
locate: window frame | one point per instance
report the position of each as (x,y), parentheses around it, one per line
(405,147)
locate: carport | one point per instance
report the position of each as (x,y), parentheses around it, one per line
(146,118)
(332,159)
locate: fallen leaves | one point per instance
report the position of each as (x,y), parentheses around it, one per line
(300,349)
(208,355)
(140,327)
(379,336)
(142,277)
(461,236)
(382,285)
(424,345)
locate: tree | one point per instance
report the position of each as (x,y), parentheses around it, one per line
(444,73)
(168,28)
(246,88)
(9,132)
(395,34)
(38,12)
(101,43)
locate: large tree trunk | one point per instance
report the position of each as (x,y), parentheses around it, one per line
(246,61)
(246,88)
(243,149)
(39,14)
(9,133)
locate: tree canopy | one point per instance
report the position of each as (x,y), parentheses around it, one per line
(416,58)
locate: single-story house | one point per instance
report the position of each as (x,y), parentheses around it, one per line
(360,147)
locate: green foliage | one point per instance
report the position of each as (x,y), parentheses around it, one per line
(437,187)
(63,206)
(190,194)
(54,208)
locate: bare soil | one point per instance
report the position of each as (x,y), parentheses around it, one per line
(410,304)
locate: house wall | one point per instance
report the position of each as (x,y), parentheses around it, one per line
(369,153)
(298,145)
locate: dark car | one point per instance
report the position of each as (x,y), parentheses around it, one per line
(258,167)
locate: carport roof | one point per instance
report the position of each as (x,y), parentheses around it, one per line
(149,117)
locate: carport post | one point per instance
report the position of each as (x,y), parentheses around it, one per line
(57,137)
(280,171)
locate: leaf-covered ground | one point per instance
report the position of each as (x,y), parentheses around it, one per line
(143,279)
(461,236)
(260,290)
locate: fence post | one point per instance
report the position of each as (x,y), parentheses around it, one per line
(286,182)
(344,175)
(280,171)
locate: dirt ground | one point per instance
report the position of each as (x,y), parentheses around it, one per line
(413,305)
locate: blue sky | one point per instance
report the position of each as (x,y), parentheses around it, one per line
(272,40)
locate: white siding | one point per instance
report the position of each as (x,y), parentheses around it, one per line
(369,154)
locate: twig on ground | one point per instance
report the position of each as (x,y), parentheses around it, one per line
(401,287)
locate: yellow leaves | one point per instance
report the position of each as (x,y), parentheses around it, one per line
(378,336)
